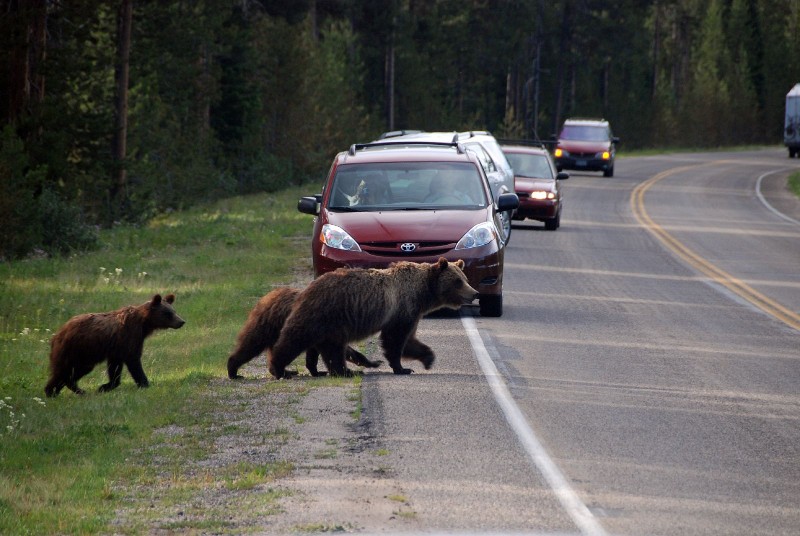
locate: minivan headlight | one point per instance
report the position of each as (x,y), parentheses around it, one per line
(337,238)
(480,235)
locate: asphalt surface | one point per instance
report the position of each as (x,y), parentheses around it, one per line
(652,348)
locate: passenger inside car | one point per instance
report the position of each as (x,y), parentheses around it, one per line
(373,189)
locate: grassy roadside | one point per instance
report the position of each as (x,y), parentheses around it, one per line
(794,184)
(60,459)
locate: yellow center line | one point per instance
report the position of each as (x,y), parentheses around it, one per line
(735,285)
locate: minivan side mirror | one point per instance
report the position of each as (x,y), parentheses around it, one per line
(308,205)
(507,202)
(562,175)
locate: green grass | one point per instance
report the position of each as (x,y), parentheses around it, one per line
(794,183)
(62,459)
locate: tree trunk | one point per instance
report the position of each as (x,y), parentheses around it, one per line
(25,81)
(120,182)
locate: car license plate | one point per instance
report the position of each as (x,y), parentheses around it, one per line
(580,163)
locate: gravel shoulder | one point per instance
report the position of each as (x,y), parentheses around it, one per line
(280,457)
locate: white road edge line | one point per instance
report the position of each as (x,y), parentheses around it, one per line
(575,508)
(764,199)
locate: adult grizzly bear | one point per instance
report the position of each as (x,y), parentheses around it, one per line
(348,305)
(117,336)
(263,326)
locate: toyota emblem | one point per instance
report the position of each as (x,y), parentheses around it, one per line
(408,247)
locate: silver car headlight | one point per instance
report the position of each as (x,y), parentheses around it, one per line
(480,235)
(337,238)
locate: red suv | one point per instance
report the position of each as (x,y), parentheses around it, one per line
(586,145)
(383,202)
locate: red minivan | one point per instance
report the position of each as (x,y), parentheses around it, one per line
(384,202)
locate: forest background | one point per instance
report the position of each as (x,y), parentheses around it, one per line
(115,111)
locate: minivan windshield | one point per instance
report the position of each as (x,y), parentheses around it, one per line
(584,133)
(408,186)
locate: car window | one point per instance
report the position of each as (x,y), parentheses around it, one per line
(584,133)
(497,153)
(407,186)
(530,165)
(486,161)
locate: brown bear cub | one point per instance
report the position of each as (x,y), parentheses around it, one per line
(117,337)
(263,326)
(349,305)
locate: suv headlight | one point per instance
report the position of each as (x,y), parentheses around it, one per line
(337,238)
(480,235)
(559,152)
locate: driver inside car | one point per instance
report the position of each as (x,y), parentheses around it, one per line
(448,188)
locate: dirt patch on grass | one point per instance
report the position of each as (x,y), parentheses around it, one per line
(289,456)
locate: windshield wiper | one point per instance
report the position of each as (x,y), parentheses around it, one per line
(347,209)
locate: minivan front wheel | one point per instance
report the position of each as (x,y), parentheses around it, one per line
(491,305)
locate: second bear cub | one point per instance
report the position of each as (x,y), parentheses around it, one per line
(263,326)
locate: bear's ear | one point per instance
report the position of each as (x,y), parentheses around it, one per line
(156,300)
(460,263)
(170,298)
(442,263)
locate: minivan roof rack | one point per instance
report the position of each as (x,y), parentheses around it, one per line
(473,133)
(396,133)
(361,146)
(528,143)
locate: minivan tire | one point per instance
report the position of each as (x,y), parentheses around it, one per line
(491,305)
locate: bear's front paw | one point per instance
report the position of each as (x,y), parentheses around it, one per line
(403,371)
(106,387)
(144,385)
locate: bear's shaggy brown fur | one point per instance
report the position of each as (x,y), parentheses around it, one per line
(263,326)
(348,305)
(117,336)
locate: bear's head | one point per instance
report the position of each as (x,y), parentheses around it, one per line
(449,284)
(161,315)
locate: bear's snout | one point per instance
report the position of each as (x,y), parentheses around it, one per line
(469,294)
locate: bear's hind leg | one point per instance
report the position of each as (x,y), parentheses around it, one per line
(76,374)
(312,360)
(287,348)
(54,386)
(250,345)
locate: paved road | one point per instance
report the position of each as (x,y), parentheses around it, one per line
(652,347)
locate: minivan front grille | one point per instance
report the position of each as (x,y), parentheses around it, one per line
(394,249)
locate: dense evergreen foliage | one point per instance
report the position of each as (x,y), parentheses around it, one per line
(220,97)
